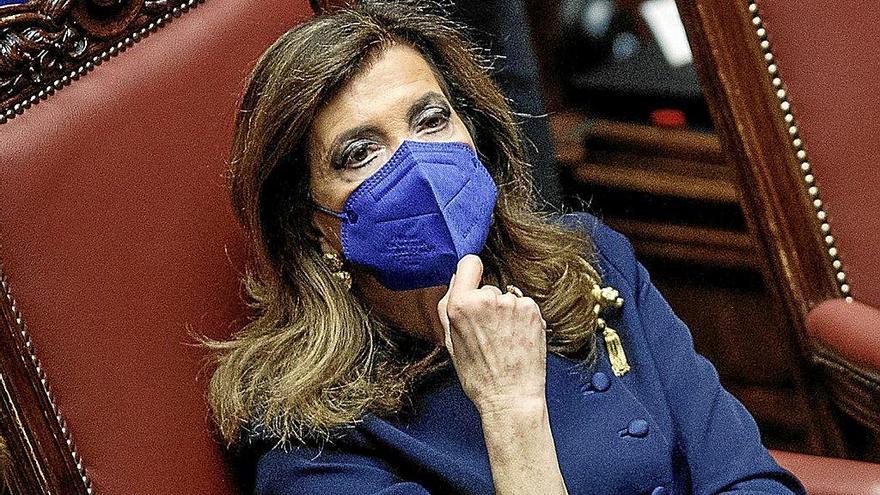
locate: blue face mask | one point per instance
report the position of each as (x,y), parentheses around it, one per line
(419,214)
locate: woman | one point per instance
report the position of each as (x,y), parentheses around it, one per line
(406,295)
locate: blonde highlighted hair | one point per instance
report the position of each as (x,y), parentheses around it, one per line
(313,358)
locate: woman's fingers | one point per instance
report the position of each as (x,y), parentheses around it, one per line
(442,305)
(447,340)
(492,289)
(444,316)
(467,277)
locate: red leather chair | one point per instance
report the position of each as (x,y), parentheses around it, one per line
(117,239)
(791,87)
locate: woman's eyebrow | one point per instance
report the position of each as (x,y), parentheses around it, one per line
(419,105)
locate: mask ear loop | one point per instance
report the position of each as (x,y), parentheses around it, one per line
(345,216)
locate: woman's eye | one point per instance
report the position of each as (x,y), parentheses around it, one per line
(434,121)
(359,154)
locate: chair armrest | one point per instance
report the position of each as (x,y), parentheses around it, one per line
(831,476)
(852,330)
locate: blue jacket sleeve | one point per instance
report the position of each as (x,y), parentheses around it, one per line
(293,472)
(716,434)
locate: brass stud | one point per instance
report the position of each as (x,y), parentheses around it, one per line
(832,251)
(756,21)
(829,239)
(793,130)
(772,69)
(841,277)
(813,191)
(825,228)
(821,215)
(796,142)
(809,179)
(837,264)
(801,154)
(761,32)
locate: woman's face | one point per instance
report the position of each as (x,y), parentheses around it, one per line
(395,98)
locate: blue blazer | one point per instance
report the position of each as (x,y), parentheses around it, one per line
(665,427)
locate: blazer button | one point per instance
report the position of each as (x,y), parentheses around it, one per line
(600,381)
(661,490)
(638,428)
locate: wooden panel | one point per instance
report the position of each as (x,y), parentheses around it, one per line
(700,255)
(643,158)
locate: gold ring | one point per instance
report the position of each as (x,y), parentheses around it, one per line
(512,289)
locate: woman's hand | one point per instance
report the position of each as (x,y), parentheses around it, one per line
(499,351)
(497,342)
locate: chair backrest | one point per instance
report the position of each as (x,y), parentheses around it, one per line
(792,87)
(117,240)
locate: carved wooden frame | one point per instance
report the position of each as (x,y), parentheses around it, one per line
(47,44)
(44,458)
(44,46)
(749,105)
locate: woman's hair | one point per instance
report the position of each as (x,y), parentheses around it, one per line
(314,358)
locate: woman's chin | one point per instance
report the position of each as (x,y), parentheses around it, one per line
(413,311)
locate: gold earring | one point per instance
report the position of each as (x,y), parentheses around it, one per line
(336,266)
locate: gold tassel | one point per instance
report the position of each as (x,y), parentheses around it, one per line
(609,298)
(619,365)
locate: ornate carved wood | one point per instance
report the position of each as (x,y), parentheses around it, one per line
(747,99)
(43,457)
(47,44)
